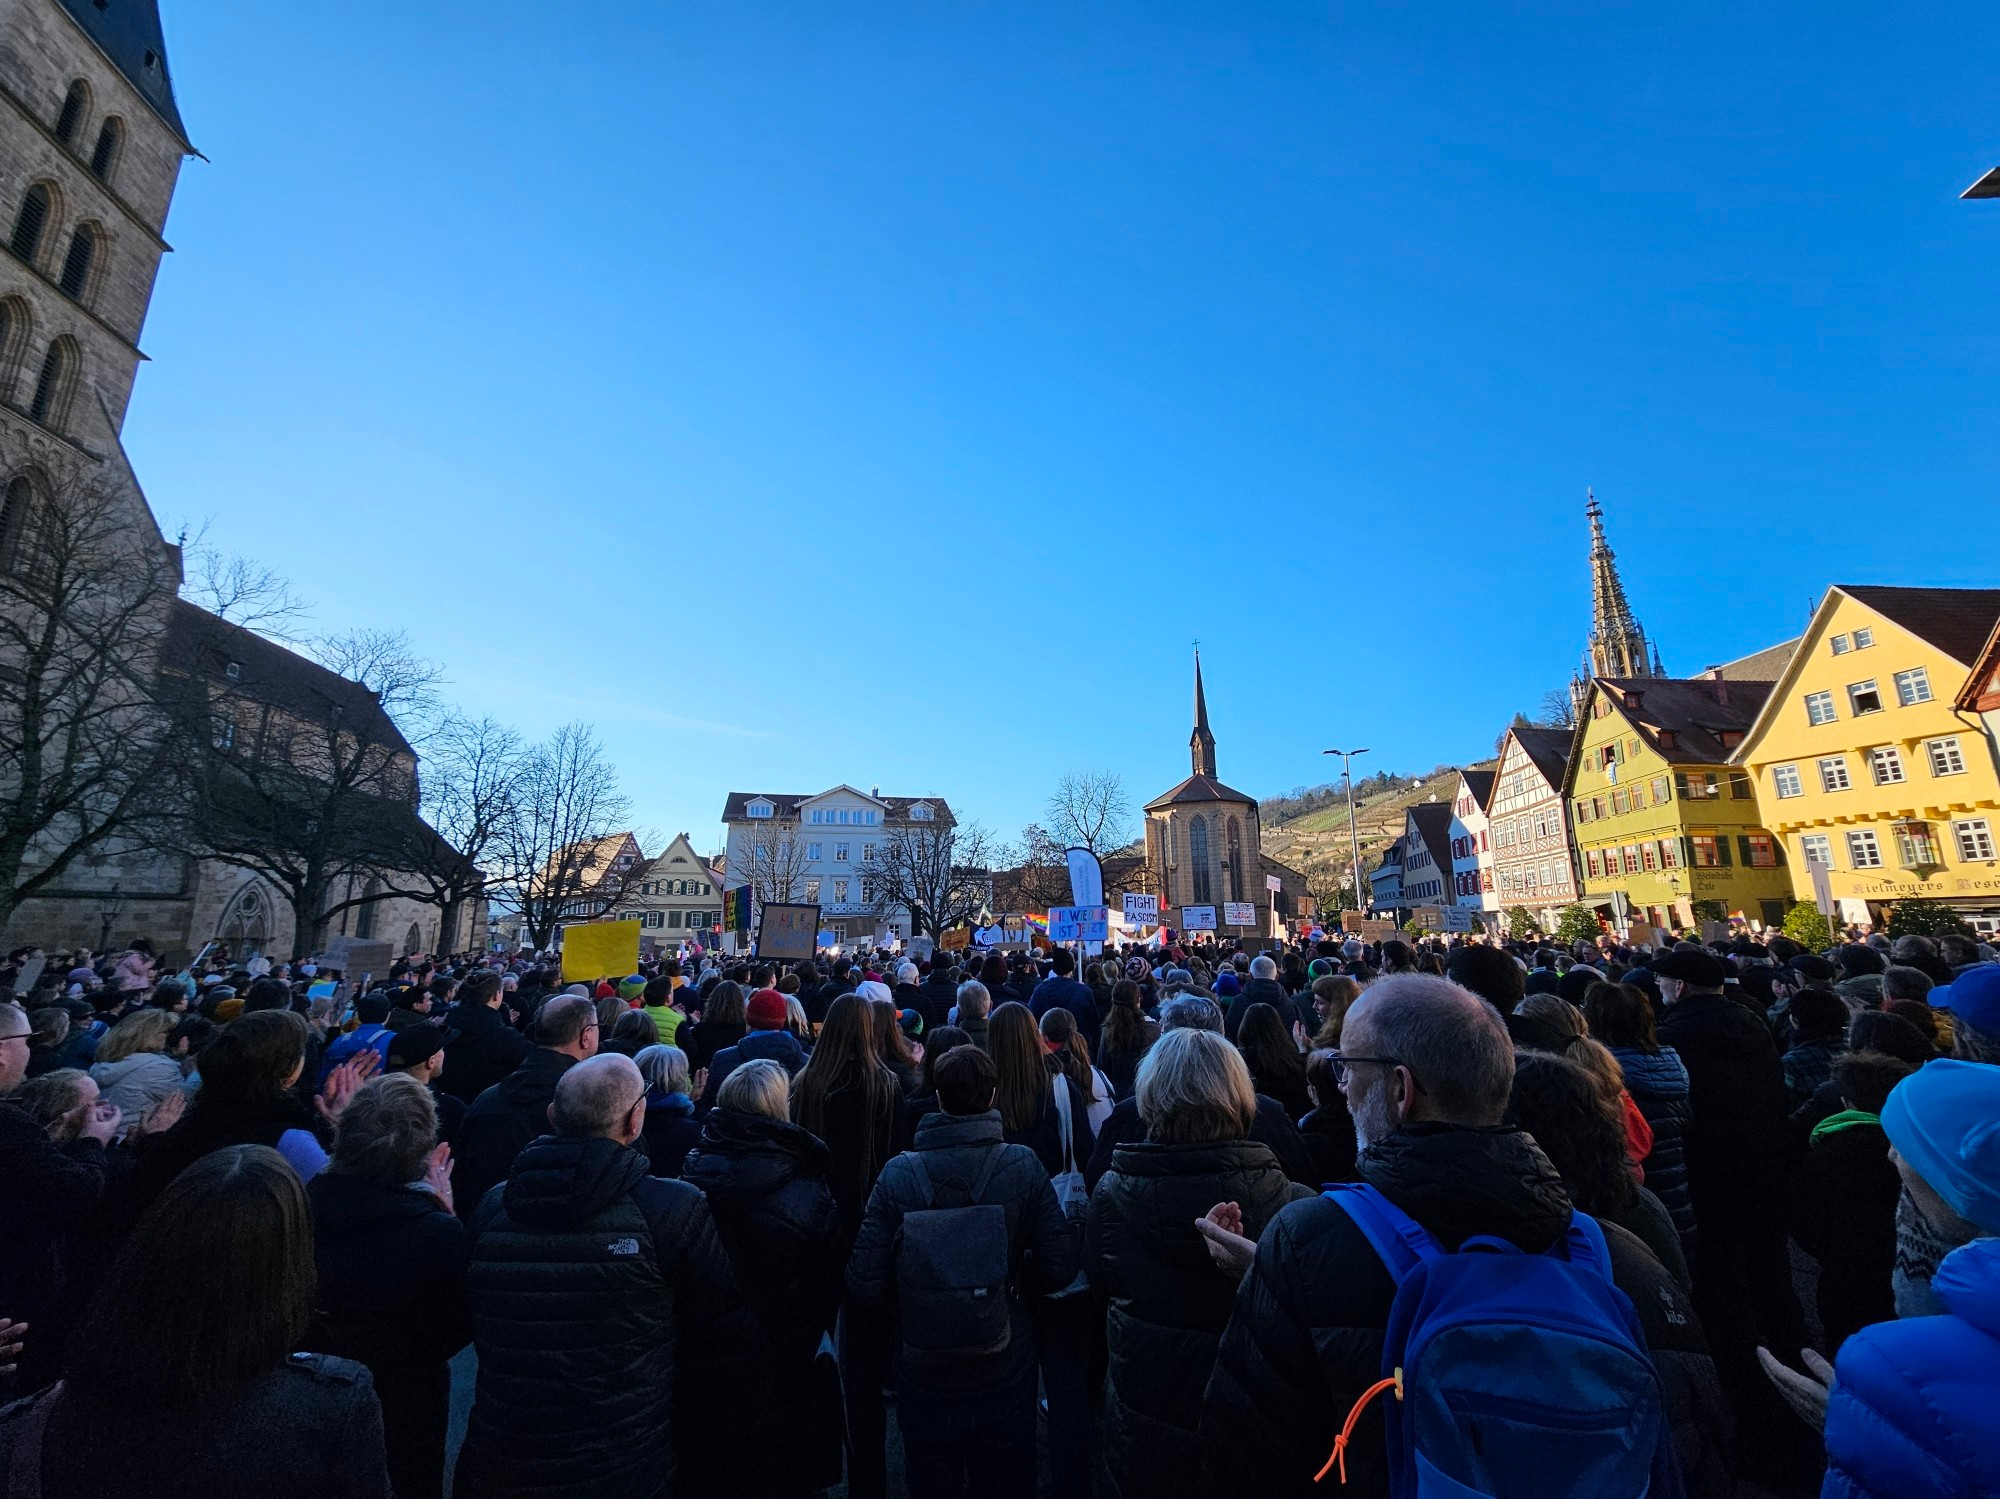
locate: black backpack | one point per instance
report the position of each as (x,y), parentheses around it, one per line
(953,1282)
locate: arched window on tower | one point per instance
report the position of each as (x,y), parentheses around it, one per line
(13,332)
(75,279)
(52,384)
(104,155)
(69,119)
(17,506)
(31,221)
(1198,861)
(1235,859)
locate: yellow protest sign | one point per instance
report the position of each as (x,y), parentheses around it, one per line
(600,950)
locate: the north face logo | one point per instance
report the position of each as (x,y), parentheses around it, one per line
(623,1246)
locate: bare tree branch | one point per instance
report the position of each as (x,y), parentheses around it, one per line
(940,873)
(233,587)
(1090,810)
(567,799)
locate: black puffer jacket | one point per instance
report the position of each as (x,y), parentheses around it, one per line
(392,1297)
(1844,1198)
(1168,1303)
(501,1122)
(1274,1128)
(592,1286)
(954,1150)
(48,1192)
(1658,1084)
(1305,1337)
(765,1181)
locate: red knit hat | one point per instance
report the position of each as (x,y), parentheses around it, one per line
(766,1011)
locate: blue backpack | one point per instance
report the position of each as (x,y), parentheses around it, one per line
(1514,1374)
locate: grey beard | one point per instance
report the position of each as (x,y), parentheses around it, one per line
(1372,1121)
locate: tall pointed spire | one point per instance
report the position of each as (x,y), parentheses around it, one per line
(1201,745)
(1618,646)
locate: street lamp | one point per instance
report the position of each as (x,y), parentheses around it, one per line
(1353,829)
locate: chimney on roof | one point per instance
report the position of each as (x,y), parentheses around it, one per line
(1721,685)
(876,792)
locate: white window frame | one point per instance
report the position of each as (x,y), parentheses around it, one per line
(1946,752)
(1855,690)
(1864,849)
(1820,708)
(1842,645)
(814,852)
(1973,837)
(1885,764)
(759,809)
(1785,781)
(1832,768)
(1918,680)
(842,852)
(1863,639)
(1816,848)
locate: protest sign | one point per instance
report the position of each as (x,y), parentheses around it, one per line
(1079,924)
(1142,910)
(1198,918)
(599,950)
(788,932)
(1239,913)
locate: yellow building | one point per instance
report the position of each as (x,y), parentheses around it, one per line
(1659,817)
(1863,762)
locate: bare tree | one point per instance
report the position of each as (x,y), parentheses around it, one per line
(1037,875)
(567,800)
(87,758)
(1090,810)
(1557,711)
(774,864)
(940,873)
(470,790)
(233,587)
(311,786)
(1330,884)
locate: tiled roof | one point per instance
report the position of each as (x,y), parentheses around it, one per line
(1955,620)
(1199,789)
(1696,710)
(205,646)
(1767,665)
(1548,749)
(1433,820)
(787,806)
(1480,784)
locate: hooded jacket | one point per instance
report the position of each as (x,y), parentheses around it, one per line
(1911,1415)
(138,1082)
(501,1122)
(1305,1337)
(781,1047)
(391,1265)
(1167,1303)
(591,1285)
(484,1050)
(1658,1083)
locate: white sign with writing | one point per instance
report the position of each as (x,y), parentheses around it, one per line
(1142,910)
(1239,913)
(1079,924)
(1198,918)
(1273,883)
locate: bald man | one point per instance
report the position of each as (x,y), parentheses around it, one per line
(1426,1068)
(591,1283)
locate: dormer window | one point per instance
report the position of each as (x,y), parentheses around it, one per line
(233,671)
(920,812)
(759,808)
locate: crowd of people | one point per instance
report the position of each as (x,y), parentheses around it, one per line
(1462,1216)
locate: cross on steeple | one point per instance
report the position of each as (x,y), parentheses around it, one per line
(1201,744)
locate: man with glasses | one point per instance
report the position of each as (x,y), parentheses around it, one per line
(504,1118)
(1426,1068)
(46,1191)
(591,1283)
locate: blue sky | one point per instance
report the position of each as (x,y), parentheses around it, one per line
(889,394)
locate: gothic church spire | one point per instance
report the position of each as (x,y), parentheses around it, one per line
(1618,646)
(1201,745)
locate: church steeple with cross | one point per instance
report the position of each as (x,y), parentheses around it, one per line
(1201,744)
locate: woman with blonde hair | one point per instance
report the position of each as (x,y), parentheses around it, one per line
(1143,1252)
(132,1068)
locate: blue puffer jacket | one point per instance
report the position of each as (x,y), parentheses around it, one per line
(1658,1083)
(1913,1401)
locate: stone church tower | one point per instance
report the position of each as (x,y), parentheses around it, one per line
(1204,839)
(1618,646)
